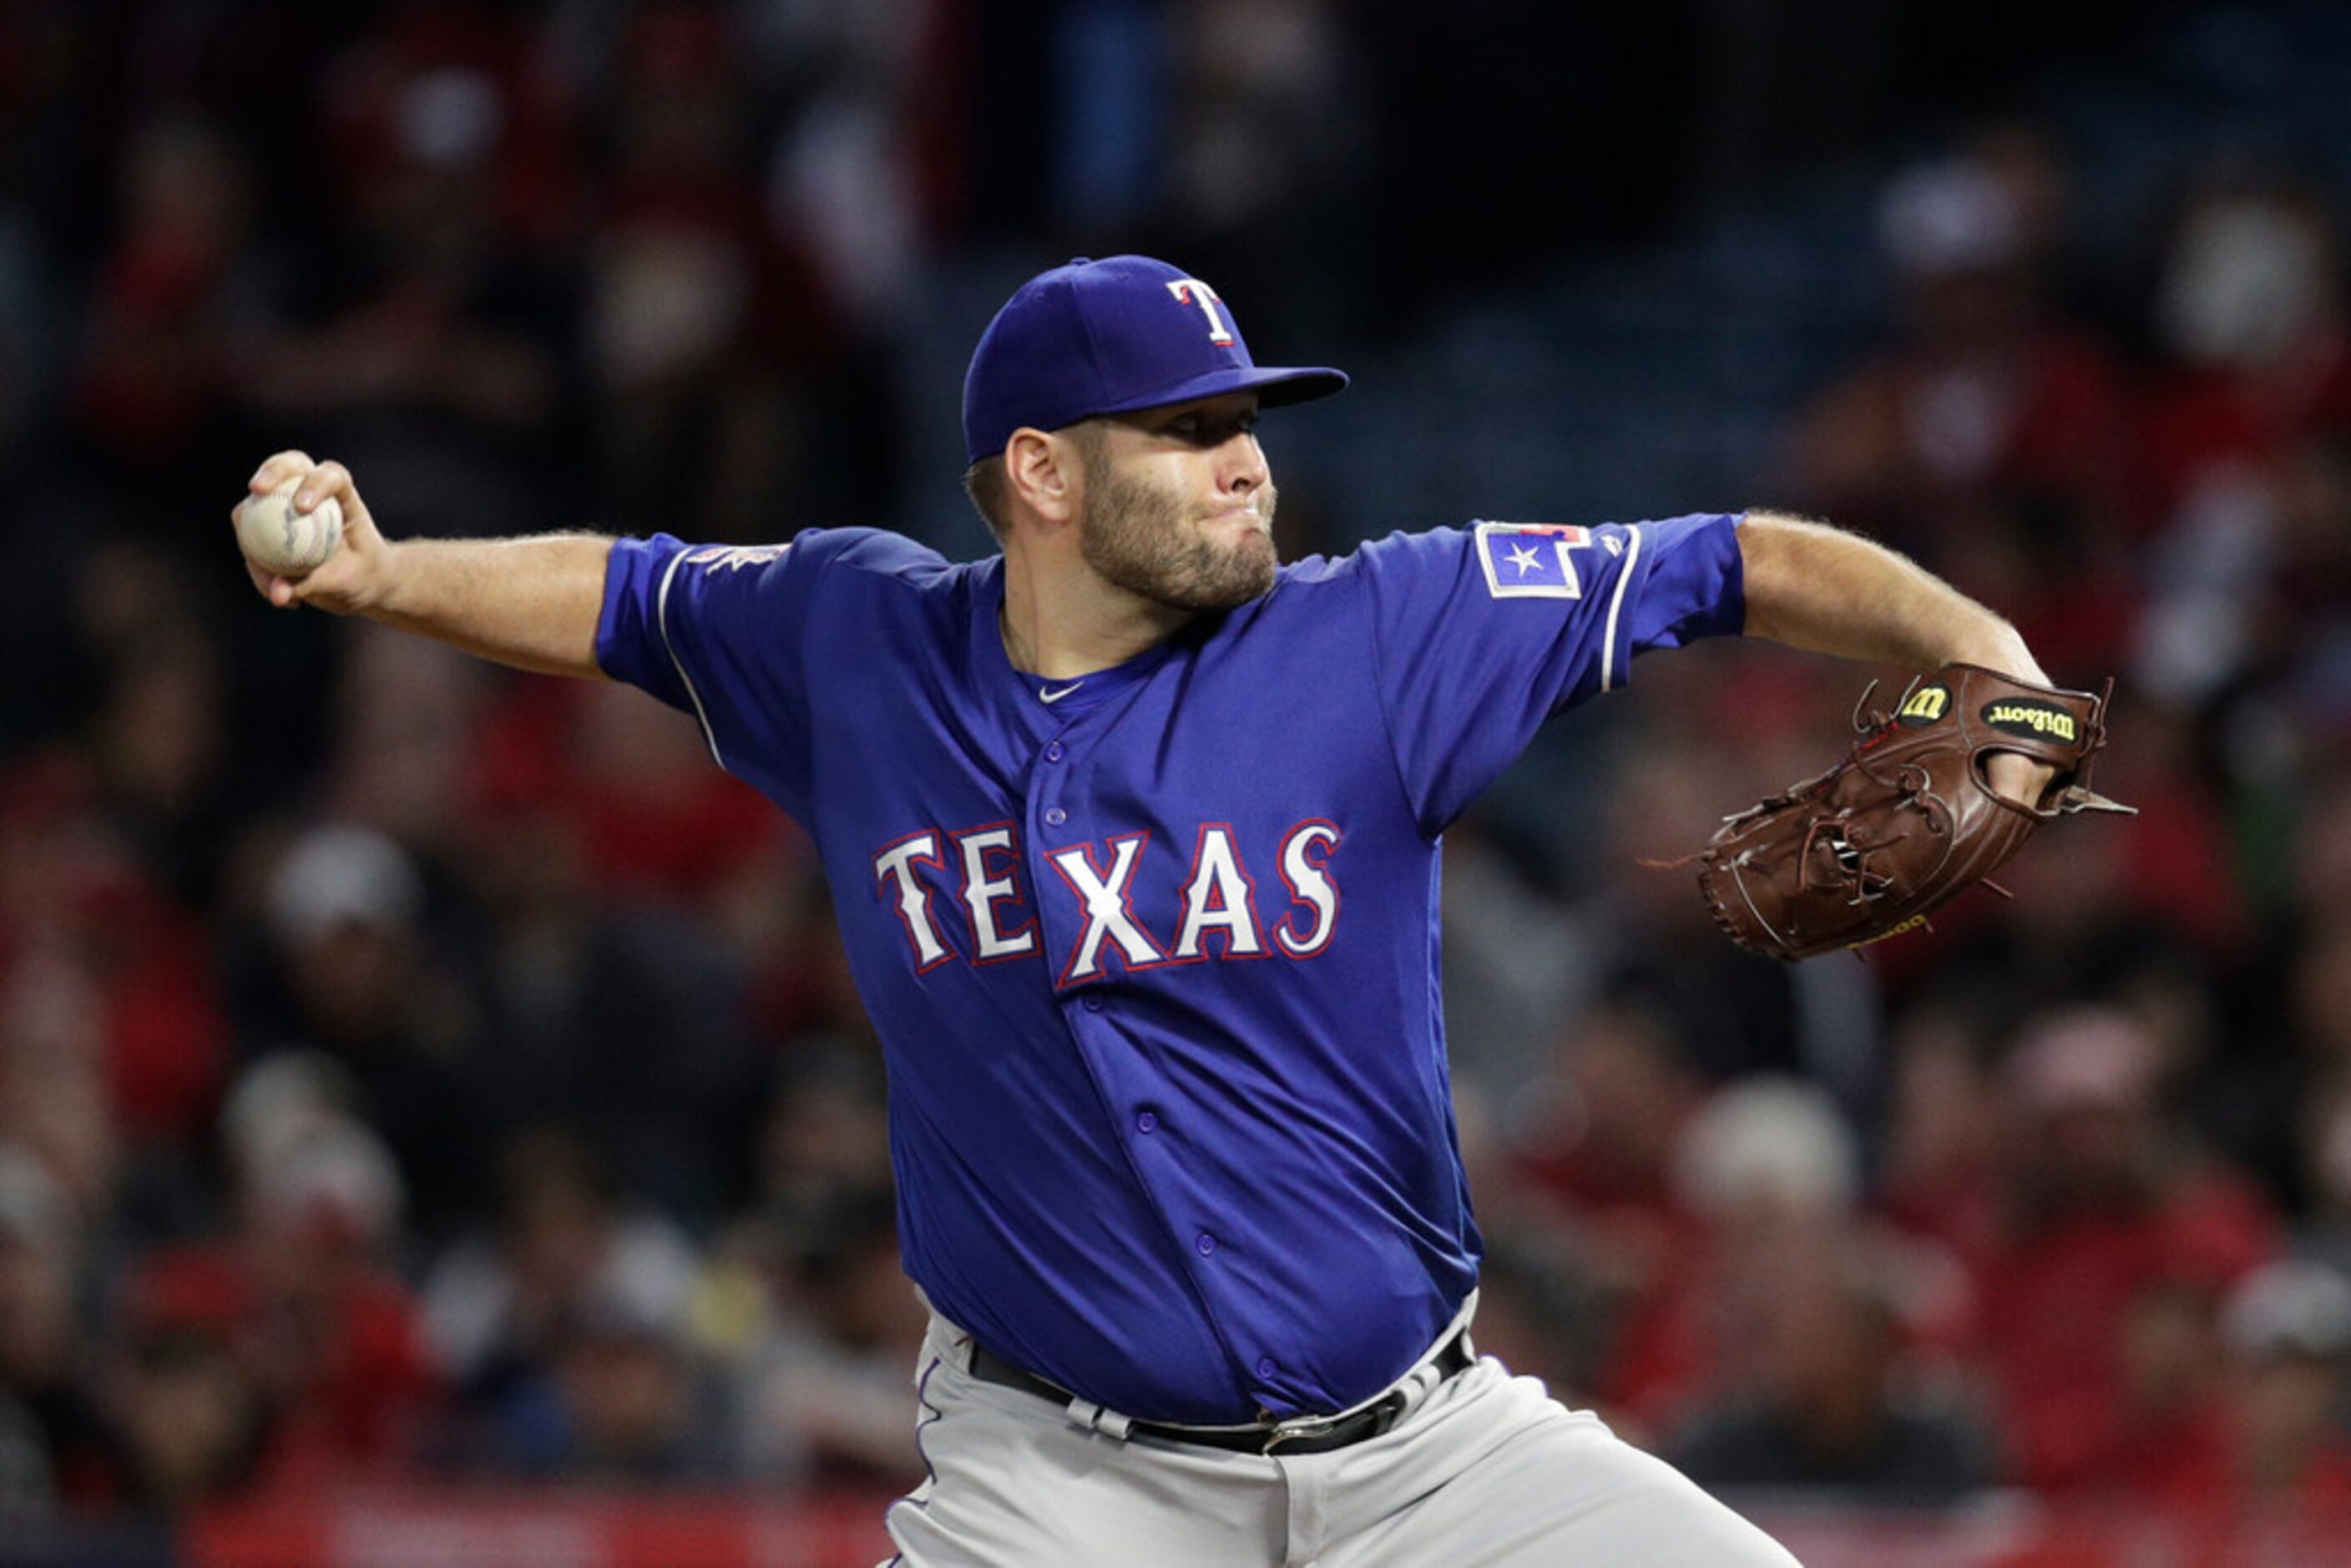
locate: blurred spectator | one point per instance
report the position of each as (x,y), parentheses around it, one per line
(1772,1173)
(403,749)
(823,1144)
(651,832)
(715,352)
(1500,1011)
(2291,1065)
(56,1104)
(844,172)
(354,974)
(621,1015)
(156,740)
(1939,1176)
(808,1304)
(54,1450)
(828,1382)
(2248,309)
(634,1402)
(105,985)
(2115,1240)
(1266,134)
(502,1309)
(1983,396)
(2256,1426)
(1828,1414)
(1600,1164)
(1539,1309)
(37,40)
(2322,1147)
(1682,1210)
(110,843)
(658,822)
(154,369)
(1988,437)
(189,1416)
(339,1344)
(301,1349)
(2287,1330)
(420,327)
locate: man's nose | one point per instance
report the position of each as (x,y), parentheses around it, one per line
(1244,463)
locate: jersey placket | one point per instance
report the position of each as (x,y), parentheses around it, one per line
(1061,823)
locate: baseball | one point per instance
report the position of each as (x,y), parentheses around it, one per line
(277,538)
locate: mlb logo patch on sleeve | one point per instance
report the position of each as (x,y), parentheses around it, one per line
(1531,561)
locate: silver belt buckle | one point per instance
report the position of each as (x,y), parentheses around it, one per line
(1298,1427)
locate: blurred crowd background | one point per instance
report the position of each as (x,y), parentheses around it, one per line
(412,1071)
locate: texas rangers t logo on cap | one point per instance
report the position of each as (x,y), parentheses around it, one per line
(1192,291)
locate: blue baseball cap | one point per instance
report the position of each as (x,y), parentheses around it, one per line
(1109,337)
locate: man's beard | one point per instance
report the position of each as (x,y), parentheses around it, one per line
(1145,540)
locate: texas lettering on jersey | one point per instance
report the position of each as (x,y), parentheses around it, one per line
(959,894)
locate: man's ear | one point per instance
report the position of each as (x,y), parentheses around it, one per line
(1043,473)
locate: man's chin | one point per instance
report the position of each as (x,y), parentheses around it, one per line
(1249,591)
(1253,565)
(1223,590)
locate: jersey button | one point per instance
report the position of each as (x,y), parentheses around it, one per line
(1148,1122)
(1091,1003)
(1206,1244)
(1055,815)
(1265,1367)
(1053,752)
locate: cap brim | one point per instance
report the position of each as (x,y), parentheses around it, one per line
(1276,385)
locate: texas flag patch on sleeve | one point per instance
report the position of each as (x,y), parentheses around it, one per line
(1531,560)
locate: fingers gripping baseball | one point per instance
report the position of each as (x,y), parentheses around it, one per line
(307,535)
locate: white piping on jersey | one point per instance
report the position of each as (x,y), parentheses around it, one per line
(661,617)
(1616,602)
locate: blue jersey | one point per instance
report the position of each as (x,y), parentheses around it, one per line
(1152,953)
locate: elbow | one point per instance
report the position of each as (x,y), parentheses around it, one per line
(1770,548)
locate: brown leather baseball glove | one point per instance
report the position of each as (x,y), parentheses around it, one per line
(1904,823)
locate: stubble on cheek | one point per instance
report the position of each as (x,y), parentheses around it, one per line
(1147,541)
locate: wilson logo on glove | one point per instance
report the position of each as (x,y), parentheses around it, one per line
(1923,705)
(2030,719)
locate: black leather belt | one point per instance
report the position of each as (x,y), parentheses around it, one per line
(1303,1435)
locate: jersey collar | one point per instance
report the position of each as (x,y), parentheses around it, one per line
(1055,700)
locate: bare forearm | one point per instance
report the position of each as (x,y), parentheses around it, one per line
(1815,587)
(529,602)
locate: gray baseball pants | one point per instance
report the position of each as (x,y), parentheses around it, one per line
(1484,1469)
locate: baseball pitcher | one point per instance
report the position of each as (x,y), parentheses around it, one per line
(1133,834)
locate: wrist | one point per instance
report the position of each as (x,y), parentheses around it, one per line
(2003,648)
(377,593)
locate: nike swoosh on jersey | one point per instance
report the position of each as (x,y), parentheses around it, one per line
(1045,697)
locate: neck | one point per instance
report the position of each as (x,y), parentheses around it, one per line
(1061,624)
